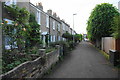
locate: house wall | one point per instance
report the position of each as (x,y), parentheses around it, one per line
(62,30)
(23,5)
(34,10)
(52,31)
(58,32)
(43,26)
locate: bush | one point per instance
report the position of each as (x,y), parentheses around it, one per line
(10,61)
(33,50)
(49,49)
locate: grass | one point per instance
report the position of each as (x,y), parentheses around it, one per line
(105,54)
(102,52)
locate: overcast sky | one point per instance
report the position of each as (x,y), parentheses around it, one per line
(66,8)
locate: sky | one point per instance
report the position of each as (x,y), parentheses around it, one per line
(66,8)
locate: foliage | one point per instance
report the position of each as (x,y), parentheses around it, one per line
(49,49)
(32,50)
(23,31)
(78,37)
(18,30)
(99,23)
(10,61)
(116,26)
(62,43)
(34,38)
(69,37)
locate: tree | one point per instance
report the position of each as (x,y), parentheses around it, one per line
(99,23)
(116,27)
(68,36)
(78,37)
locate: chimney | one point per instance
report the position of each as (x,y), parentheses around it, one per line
(58,17)
(49,12)
(39,5)
(54,14)
(63,20)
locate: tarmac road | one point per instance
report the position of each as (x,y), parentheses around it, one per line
(84,61)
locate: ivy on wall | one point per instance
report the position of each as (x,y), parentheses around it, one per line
(24,29)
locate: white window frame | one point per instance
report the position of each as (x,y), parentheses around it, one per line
(54,38)
(58,27)
(63,26)
(59,38)
(10,2)
(38,17)
(47,21)
(53,25)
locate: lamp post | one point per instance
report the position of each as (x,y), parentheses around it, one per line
(73,28)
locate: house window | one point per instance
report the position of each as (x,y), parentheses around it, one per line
(53,25)
(63,26)
(59,38)
(38,17)
(10,2)
(14,2)
(54,38)
(58,27)
(47,21)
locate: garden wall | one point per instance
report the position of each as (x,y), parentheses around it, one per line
(35,68)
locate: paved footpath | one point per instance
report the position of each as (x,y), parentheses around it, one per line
(84,62)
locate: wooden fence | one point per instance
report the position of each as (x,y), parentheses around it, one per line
(110,43)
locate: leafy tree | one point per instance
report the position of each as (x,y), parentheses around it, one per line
(99,23)
(116,27)
(78,37)
(68,36)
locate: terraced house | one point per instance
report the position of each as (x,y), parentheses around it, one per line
(51,26)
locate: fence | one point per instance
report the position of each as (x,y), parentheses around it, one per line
(110,43)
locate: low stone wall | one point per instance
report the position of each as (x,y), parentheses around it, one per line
(35,68)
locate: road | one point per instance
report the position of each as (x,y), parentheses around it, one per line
(84,61)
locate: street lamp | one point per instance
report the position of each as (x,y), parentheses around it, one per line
(73,27)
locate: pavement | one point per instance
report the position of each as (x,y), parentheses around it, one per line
(85,61)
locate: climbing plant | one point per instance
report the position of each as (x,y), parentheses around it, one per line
(34,38)
(18,31)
